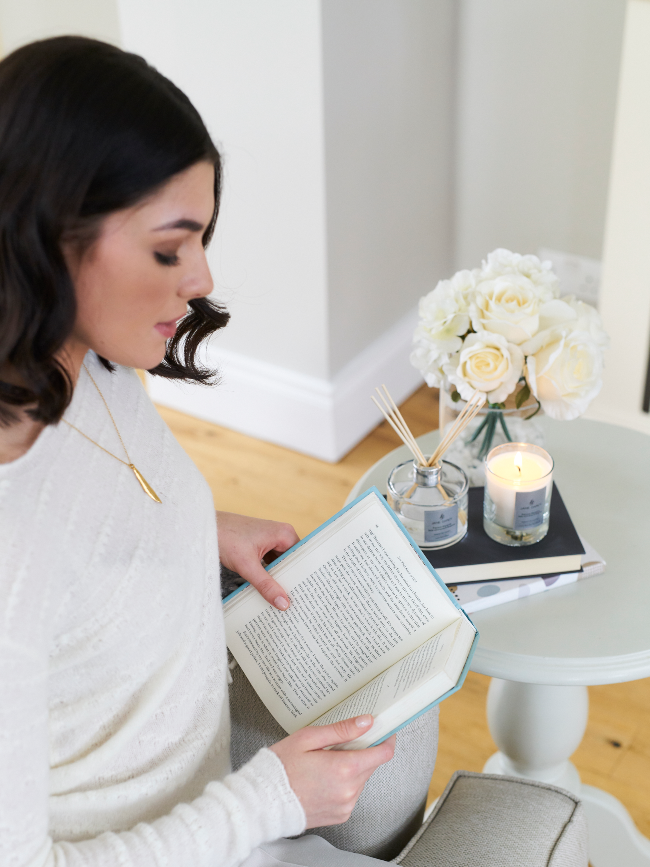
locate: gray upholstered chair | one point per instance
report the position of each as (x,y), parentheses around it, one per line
(481,820)
(487,820)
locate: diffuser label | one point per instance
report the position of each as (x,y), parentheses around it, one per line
(441,524)
(529,508)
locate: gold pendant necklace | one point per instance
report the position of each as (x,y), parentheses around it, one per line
(144,484)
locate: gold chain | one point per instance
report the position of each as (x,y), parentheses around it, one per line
(127,462)
(146,487)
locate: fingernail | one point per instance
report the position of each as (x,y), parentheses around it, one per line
(364,721)
(281,602)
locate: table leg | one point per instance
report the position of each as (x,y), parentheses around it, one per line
(537,727)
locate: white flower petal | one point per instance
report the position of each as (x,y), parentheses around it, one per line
(565,373)
(486,362)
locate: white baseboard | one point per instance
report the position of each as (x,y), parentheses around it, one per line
(315,416)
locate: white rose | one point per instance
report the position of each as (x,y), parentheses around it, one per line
(509,305)
(444,314)
(565,373)
(429,361)
(465,282)
(486,362)
(588,319)
(540,273)
(562,316)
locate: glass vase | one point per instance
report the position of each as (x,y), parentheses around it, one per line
(492,426)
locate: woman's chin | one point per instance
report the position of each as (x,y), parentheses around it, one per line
(152,360)
(144,358)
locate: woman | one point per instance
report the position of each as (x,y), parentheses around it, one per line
(114,729)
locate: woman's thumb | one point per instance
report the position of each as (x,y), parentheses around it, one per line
(268,587)
(342,732)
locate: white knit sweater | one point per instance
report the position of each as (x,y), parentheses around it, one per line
(114,728)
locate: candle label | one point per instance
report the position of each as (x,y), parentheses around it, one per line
(529,508)
(441,524)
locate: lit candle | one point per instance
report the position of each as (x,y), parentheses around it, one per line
(519,478)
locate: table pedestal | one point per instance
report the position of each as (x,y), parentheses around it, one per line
(537,727)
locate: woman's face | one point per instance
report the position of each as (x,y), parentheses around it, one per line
(133,283)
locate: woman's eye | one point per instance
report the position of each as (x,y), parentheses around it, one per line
(163,259)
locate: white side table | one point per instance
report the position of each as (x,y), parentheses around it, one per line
(544,651)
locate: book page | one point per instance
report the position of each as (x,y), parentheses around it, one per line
(409,686)
(401,678)
(361,600)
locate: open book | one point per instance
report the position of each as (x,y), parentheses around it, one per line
(371,628)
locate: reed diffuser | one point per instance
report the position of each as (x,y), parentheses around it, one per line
(429,494)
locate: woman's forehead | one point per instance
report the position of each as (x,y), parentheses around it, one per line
(186,203)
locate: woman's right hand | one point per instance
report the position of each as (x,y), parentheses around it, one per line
(329,782)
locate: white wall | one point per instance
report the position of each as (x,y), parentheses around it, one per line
(371,147)
(335,120)
(537,93)
(23,21)
(389,89)
(253,69)
(625,292)
(338,185)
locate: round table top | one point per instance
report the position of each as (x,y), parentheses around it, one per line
(597,630)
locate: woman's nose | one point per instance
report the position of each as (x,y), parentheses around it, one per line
(198,282)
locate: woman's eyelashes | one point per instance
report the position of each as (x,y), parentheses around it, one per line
(164,259)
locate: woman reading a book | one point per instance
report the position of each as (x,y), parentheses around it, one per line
(114,725)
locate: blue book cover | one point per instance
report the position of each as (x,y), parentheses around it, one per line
(373,492)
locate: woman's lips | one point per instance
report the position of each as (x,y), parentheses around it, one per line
(167,329)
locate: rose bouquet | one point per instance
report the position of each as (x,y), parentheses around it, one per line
(504,330)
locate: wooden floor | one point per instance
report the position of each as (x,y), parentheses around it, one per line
(256,478)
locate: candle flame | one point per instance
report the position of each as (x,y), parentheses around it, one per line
(518,461)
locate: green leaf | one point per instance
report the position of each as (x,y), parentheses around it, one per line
(523,396)
(504,427)
(539,406)
(455,396)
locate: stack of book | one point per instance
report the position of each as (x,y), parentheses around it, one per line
(482,573)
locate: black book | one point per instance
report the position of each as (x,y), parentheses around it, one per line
(479,558)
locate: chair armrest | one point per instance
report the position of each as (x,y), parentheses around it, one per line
(489,820)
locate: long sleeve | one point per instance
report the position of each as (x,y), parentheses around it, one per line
(114,723)
(232,817)
(218,829)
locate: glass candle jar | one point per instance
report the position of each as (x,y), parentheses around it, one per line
(518,487)
(431,502)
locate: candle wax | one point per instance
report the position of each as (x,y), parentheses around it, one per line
(504,481)
(532,467)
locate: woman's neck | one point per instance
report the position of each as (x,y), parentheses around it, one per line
(17,438)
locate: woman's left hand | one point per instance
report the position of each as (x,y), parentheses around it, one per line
(243,542)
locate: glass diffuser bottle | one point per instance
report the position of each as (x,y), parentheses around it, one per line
(431,502)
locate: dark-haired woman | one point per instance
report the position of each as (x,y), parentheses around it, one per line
(114,732)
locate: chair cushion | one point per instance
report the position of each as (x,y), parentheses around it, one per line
(489,820)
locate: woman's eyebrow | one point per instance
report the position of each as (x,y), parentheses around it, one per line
(190,225)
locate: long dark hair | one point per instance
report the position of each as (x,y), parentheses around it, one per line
(85,129)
